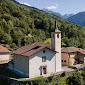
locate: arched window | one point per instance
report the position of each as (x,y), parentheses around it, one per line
(44,59)
(44,51)
(57,35)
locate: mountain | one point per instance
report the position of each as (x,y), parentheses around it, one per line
(20,24)
(58,14)
(78,18)
(67,16)
(52,12)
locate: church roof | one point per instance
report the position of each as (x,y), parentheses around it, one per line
(3,49)
(29,50)
(57,30)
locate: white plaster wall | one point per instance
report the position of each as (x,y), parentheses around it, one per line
(58,49)
(4,57)
(56,45)
(35,62)
(21,64)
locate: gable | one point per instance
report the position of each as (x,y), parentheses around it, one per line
(44,52)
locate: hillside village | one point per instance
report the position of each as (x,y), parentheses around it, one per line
(43,59)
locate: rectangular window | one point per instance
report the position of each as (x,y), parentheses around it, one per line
(64,60)
(44,59)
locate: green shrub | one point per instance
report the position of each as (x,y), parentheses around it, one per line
(63,74)
(75,79)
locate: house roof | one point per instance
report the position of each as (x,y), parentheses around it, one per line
(29,50)
(3,49)
(72,49)
(82,52)
(69,49)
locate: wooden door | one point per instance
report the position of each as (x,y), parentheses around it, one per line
(44,70)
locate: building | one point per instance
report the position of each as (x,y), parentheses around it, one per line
(39,58)
(4,55)
(71,56)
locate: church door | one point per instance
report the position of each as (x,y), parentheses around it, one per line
(44,70)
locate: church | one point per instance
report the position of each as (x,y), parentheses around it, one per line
(39,59)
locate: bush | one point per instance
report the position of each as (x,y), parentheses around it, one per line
(75,79)
(63,74)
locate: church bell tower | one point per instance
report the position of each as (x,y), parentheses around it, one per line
(56,45)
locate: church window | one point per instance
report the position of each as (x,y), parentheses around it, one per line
(44,59)
(57,35)
(44,51)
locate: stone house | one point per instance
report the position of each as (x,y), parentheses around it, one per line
(4,55)
(71,56)
(39,58)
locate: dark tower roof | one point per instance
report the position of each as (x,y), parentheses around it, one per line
(56,28)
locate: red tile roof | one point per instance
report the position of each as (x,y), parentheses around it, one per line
(72,49)
(3,49)
(69,49)
(29,50)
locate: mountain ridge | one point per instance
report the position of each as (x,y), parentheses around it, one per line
(78,18)
(67,16)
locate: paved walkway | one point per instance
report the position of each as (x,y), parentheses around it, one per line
(64,68)
(67,69)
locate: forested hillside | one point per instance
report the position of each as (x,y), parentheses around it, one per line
(19,22)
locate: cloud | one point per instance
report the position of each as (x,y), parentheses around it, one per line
(52,7)
(27,4)
(24,3)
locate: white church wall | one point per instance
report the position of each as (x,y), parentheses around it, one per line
(35,63)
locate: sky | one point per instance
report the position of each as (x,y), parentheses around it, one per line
(61,6)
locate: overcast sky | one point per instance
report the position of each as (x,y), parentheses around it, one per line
(61,6)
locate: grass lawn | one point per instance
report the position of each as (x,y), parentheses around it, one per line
(25,79)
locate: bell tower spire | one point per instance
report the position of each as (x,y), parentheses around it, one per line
(56,27)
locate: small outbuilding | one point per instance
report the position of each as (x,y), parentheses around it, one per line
(4,55)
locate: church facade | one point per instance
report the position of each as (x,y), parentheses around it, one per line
(39,58)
